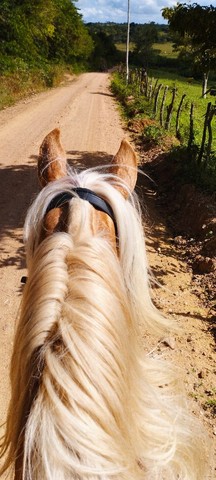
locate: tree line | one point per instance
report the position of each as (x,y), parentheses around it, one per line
(118,31)
(34,32)
(37,33)
(193,31)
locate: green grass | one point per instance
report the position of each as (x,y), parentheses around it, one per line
(165,49)
(211,404)
(193,91)
(122,47)
(141,107)
(17,85)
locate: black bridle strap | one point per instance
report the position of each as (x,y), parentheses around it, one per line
(85,194)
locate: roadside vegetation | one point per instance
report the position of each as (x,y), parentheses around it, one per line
(139,108)
(172,84)
(192,29)
(39,42)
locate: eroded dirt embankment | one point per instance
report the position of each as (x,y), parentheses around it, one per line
(181,222)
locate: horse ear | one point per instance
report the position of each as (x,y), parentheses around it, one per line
(52,162)
(124,165)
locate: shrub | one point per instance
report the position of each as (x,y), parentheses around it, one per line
(152,134)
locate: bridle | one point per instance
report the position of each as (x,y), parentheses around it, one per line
(85,194)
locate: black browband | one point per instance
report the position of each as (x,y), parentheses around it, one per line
(85,194)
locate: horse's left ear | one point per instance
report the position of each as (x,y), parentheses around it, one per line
(124,165)
(52,162)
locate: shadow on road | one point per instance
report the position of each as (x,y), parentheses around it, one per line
(102,93)
(18,186)
(83,160)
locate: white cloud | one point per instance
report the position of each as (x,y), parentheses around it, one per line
(142,11)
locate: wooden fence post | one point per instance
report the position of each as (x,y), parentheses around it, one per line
(154,89)
(212,112)
(156,98)
(170,109)
(202,147)
(150,92)
(191,127)
(162,105)
(178,116)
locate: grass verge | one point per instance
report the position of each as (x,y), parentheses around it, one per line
(138,107)
(22,82)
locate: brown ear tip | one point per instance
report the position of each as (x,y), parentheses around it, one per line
(125,141)
(56,132)
(126,145)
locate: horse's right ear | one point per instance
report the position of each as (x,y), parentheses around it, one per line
(124,165)
(52,162)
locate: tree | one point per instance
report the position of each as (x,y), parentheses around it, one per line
(34,32)
(194,33)
(105,53)
(25,27)
(70,40)
(144,36)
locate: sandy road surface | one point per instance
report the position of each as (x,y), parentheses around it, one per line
(86,114)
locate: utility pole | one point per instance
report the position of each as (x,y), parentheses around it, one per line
(128,42)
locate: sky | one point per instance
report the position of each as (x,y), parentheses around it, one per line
(141,11)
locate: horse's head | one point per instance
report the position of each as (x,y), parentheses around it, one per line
(52,165)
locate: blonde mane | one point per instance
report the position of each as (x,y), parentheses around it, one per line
(86,403)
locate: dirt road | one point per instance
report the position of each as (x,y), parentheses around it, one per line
(86,113)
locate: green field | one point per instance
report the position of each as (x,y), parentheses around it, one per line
(165,49)
(122,47)
(183,85)
(193,91)
(140,106)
